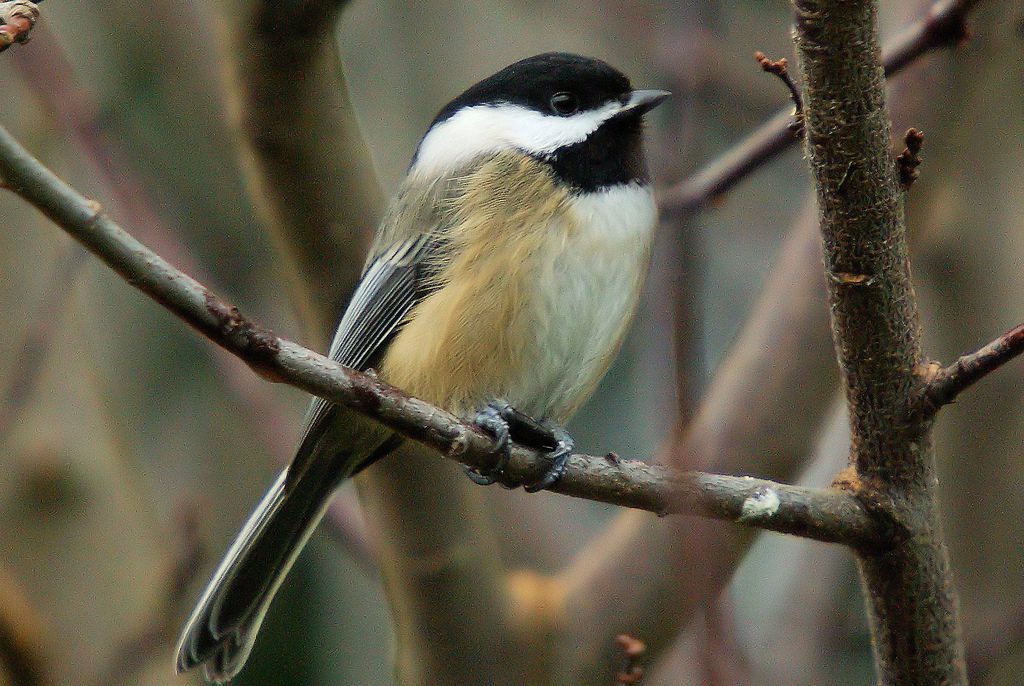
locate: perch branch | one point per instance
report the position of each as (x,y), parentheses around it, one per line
(945,24)
(823,514)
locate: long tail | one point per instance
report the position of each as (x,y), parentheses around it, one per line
(224,624)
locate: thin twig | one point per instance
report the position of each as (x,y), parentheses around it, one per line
(948,383)
(943,25)
(780,68)
(823,514)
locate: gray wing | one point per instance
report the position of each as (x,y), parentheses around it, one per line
(392,284)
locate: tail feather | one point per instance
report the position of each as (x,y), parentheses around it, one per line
(224,624)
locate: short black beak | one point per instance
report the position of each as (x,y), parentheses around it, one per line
(643,101)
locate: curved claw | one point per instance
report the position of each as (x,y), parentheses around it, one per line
(479,478)
(559,460)
(505,423)
(492,419)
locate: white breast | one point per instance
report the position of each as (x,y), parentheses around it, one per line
(585,297)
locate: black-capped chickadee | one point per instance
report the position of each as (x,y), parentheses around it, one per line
(501,282)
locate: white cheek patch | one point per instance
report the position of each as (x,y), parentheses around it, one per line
(486,129)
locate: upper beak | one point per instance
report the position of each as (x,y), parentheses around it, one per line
(642,101)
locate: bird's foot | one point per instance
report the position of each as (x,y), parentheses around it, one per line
(563,447)
(507,424)
(493,418)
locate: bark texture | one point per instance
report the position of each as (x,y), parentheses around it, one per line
(911,601)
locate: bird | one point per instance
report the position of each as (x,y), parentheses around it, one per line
(500,285)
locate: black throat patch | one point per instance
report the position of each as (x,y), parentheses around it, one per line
(611,156)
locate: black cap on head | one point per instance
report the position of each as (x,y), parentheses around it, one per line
(533,82)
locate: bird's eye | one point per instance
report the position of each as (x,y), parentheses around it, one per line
(564,103)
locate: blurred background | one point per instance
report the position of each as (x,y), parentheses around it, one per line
(131,450)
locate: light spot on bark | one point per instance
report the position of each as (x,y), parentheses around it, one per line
(761,505)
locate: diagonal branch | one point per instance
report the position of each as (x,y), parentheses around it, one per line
(943,25)
(823,514)
(948,383)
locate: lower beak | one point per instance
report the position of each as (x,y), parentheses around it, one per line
(643,101)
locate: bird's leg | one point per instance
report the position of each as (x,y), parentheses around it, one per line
(506,423)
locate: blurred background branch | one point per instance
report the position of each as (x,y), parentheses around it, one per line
(301,149)
(313,179)
(22,637)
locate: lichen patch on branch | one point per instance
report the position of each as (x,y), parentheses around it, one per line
(761,505)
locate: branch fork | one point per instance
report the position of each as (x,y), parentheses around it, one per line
(943,384)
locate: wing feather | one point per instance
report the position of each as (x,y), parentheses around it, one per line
(392,284)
